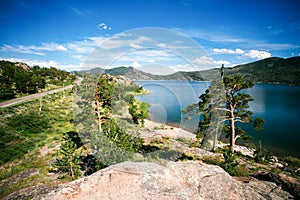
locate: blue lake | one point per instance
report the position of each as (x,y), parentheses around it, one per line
(278,105)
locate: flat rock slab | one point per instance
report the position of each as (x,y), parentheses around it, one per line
(142,180)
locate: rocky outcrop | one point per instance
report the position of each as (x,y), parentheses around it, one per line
(177,180)
(288,183)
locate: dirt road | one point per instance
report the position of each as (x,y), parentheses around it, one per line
(22,99)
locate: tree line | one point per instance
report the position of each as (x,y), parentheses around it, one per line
(18,78)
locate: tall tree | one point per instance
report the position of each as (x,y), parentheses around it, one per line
(224,104)
(103,99)
(237,108)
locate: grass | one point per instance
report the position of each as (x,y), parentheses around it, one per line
(24,131)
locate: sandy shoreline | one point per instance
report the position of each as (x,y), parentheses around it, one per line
(156,129)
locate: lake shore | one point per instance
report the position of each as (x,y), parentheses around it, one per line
(156,129)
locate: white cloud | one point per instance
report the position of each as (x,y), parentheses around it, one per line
(32,49)
(81,47)
(228,51)
(49,47)
(147,55)
(124,40)
(103,26)
(44,63)
(273,46)
(203,60)
(20,49)
(136,65)
(220,62)
(256,54)
(183,67)
(61,48)
(210,35)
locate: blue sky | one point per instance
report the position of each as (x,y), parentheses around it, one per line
(65,33)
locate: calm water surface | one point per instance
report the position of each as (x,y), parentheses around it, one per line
(276,104)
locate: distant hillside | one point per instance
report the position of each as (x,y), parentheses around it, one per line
(91,71)
(269,70)
(18,79)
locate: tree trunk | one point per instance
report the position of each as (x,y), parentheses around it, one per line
(71,169)
(98,112)
(232,129)
(41,104)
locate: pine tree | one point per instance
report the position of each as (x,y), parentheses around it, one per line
(224,104)
(70,159)
(133,110)
(138,111)
(237,104)
(103,99)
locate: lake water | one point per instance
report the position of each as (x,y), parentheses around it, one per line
(278,105)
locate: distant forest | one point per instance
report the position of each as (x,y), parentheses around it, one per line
(18,78)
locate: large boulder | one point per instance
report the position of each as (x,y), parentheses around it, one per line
(142,180)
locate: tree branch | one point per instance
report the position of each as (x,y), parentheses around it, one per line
(236,137)
(224,109)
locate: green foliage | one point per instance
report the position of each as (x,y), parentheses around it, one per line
(293,165)
(213,160)
(293,161)
(18,78)
(280,72)
(31,122)
(224,104)
(115,148)
(105,89)
(230,164)
(242,171)
(133,110)
(21,147)
(70,160)
(139,89)
(121,139)
(138,111)
(15,134)
(261,156)
(259,71)
(185,157)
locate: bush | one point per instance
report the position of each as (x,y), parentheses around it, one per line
(293,161)
(230,164)
(212,160)
(241,170)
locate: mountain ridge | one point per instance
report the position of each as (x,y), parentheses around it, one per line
(268,70)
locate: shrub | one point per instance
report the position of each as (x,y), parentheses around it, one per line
(230,163)
(213,160)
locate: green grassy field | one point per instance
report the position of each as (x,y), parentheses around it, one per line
(29,139)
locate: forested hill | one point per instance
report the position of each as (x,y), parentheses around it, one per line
(270,70)
(18,78)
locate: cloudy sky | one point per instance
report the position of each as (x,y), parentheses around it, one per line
(68,34)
